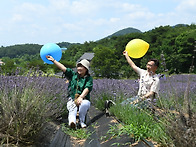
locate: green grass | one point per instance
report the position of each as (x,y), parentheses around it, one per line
(78,133)
(138,123)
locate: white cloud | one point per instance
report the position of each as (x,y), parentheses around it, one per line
(17,17)
(114,20)
(187,6)
(28,13)
(59,4)
(70,26)
(83,7)
(132,7)
(83,20)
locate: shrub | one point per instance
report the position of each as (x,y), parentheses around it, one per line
(26,104)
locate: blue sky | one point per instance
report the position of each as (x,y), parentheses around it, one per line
(77,21)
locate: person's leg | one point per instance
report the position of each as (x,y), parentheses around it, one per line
(83,108)
(72,117)
(72,108)
(129,100)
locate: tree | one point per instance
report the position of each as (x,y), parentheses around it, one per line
(37,64)
(185,45)
(104,63)
(9,67)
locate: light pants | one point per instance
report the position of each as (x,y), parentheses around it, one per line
(83,108)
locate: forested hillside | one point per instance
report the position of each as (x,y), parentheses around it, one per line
(124,32)
(173,46)
(26,49)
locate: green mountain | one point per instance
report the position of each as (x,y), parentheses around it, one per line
(19,50)
(124,32)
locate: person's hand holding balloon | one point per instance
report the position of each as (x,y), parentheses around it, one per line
(50,58)
(125,53)
(50,49)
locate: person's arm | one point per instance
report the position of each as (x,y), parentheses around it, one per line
(84,93)
(131,63)
(87,89)
(58,64)
(82,96)
(149,94)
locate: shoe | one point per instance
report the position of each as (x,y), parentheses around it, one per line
(72,125)
(83,125)
(108,104)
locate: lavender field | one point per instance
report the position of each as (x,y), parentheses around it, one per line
(28,102)
(173,86)
(177,92)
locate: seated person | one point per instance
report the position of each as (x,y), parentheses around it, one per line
(79,88)
(149,82)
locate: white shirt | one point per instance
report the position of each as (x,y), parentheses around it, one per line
(147,82)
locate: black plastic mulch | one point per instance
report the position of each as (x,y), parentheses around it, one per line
(98,125)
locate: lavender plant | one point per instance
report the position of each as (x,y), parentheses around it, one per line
(113,89)
(181,123)
(174,91)
(27,103)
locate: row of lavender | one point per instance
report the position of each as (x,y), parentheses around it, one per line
(27,100)
(27,103)
(56,87)
(170,86)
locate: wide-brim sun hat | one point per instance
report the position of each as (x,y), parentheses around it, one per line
(85,63)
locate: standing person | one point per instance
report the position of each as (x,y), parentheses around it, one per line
(149,83)
(79,88)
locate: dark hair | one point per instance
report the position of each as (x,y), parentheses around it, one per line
(156,62)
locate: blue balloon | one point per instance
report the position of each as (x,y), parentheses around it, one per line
(50,49)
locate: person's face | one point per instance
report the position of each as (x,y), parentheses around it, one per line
(151,67)
(81,70)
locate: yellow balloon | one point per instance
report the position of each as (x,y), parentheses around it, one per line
(137,48)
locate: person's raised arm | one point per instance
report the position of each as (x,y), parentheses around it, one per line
(58,64)
(131,63)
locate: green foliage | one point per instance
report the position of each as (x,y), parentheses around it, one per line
(19,50)
(185,45)
(37,64)
(66,44)
(9,67)
(100,101)
(105,63)
(138,124)
(177,44)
